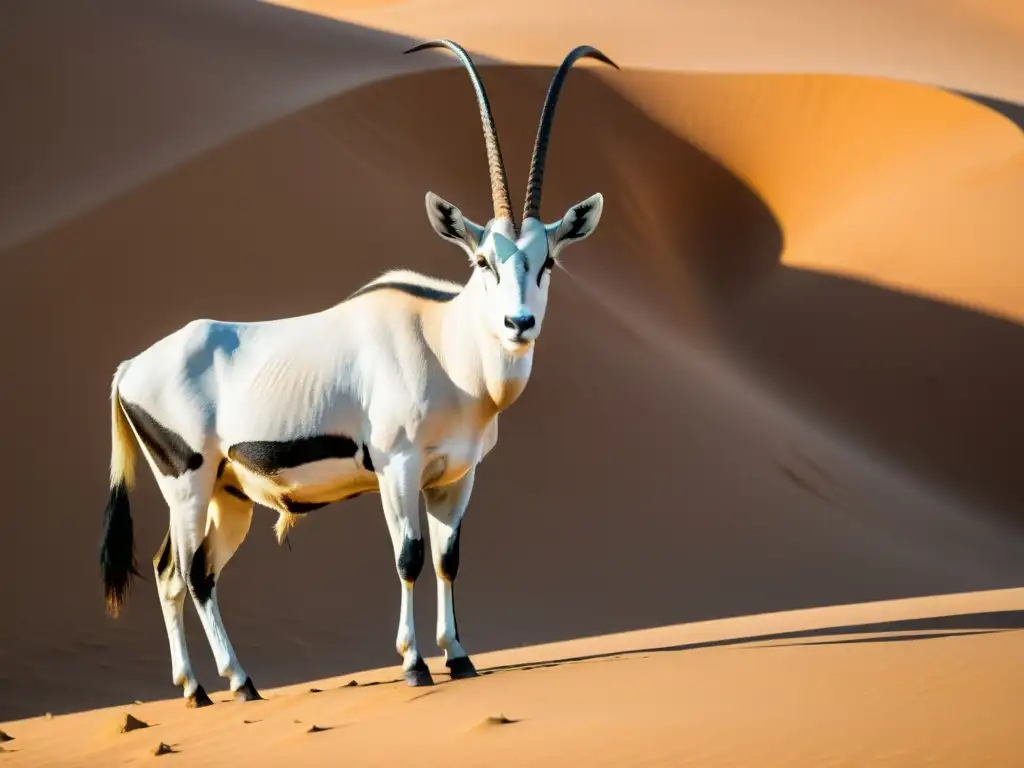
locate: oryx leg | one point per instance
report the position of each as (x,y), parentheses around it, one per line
(171,588)
(400,496)
(445,509)
(212,537)
(227,523)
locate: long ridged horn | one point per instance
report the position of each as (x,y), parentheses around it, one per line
(540,147)
(499,182)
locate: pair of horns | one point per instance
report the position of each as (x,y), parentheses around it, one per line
(499,182)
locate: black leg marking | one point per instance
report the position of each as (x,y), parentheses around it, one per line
(117,549)
(367,461)
(410,561)
(455,619)
(200,579)
(268,457)
(171,454)
(230,490)
(418,674)
(450,557)
(163,561)
(248,692)
(198,699)
(461,668)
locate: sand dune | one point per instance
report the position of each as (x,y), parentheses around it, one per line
(792,355)
(879,684)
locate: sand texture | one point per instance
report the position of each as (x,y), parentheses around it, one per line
(762,502)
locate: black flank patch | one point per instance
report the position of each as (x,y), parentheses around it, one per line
(201,581)
(268,457)
(302,507)
(230,490)
(450,557)
(419,291)
(548,265)
(170,452)
(367,461)
(410,560)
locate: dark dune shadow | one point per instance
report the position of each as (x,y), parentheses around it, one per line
(896,638)
(624,492)
(928,386)
(1011,110)
(103,95)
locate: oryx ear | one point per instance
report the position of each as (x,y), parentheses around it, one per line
(450,224)
(579,223)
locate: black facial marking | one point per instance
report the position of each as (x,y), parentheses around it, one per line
(230,490)
(268,457)
(419,291)
(579,219)
(367,461)
(220,467)
(549,264)
(199,577)
(483,263)
(450,556)
(410,561)
(163,561)
(171,454)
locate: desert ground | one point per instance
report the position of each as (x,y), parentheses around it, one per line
(762,501)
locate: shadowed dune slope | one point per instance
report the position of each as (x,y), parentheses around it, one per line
(100,96)
(647,477)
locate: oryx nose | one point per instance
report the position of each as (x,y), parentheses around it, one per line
(520,323)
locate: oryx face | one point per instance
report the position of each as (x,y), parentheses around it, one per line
(514,270)
(514,263)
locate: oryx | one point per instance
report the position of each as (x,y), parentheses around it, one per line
(397,390)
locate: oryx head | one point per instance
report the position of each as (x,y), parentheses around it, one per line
(514,262)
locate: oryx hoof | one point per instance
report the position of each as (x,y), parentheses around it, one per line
(198,699)
(461,668)
(248,692)
(418,675)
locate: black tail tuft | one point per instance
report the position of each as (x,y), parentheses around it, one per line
(117,549)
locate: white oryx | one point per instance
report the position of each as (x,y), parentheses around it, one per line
(397,389)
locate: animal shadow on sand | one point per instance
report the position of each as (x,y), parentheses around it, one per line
(899,630)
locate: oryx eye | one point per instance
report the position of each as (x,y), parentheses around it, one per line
(483,263)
